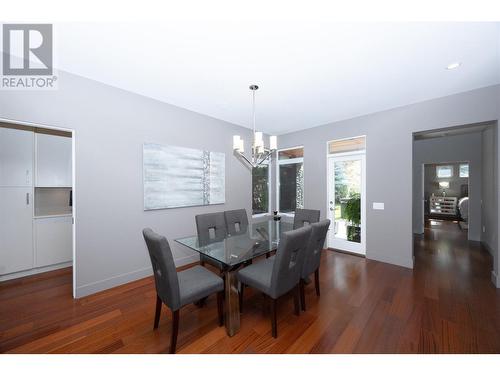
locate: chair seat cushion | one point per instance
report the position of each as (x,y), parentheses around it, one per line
(258,275)
(196,283)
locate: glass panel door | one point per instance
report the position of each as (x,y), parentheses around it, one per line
(346,202)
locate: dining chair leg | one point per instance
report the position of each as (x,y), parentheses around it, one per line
(274,326)
(157,312)
(296,303)
(175,331)
(302,295)
(220,309)
(316,281)
(242,288)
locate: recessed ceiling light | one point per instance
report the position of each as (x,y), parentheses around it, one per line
(453,65)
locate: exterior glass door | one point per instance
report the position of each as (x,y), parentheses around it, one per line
(346,202)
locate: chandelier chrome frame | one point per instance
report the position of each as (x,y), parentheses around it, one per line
(260,153)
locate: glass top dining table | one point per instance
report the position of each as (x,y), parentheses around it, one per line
(234,251)
(259,238)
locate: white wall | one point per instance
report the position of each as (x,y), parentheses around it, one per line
(110,127)
(388,162)
(464,147)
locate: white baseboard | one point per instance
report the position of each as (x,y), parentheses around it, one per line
(487,247)
(407,263)
(99,286)
(34,271)
(111,282)
(495,279)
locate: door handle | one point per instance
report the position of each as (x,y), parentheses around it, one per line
(27,199)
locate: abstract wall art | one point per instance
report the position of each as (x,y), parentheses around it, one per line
(181,177)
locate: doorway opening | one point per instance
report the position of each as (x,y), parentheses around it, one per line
(455,204)
(37,201)
(346,190)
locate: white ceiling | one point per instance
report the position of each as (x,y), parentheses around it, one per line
(310,72)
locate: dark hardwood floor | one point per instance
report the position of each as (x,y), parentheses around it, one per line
(447,304)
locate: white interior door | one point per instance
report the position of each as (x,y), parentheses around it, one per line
(16,157)
(347,202)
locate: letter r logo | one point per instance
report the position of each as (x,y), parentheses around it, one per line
(27,49)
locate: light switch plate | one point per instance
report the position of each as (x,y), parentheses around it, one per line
(378,205)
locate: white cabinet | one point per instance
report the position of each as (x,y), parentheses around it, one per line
(53,240)
(53,157)
(16,157)
(16,229)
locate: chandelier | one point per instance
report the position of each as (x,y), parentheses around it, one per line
(259,152)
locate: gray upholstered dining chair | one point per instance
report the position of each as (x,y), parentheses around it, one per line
(279,274)
(211,228)
(177,289)
(312,258)
(236,221)
(304,216)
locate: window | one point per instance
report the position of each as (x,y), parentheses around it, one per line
(260,190)
(290,180)
(464,170)
(444,171)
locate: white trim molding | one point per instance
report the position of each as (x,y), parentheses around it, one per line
(487,247)
(494,279)
(401,262)
(34,271)
(111,282)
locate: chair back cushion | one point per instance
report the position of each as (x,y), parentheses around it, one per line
(166,281)
(312,258)
(303,216)
(236,221)
(211,227)
(289,261)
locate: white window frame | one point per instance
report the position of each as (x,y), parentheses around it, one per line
(460,171)
(269,192)
(284,162)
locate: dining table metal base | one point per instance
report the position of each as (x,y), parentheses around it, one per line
(232,302)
